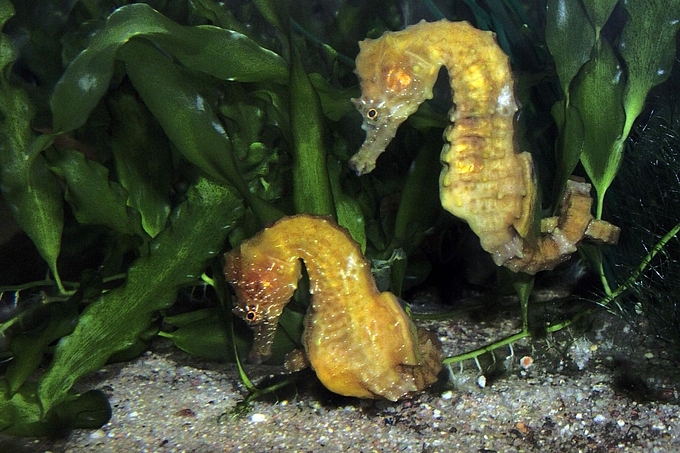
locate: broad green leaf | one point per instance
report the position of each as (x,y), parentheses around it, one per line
(95,199)
(185,114)
(21,415)
(599,12)
(648,47)
(205,334)
(89,410)
(221,53)
(334,103)
(570,37)
(28,348)
(312,192)
(30,189)
(114,321)
(143,160)
(207,338)
(246,115)
(597,93)
(188,118)
(20,412)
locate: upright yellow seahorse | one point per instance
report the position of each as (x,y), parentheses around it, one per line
(359,341)
(485,180)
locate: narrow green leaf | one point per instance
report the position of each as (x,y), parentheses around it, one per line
(312,192)
(276,12)
(648,47)
(569,143)
(348,209)
(419,204)
(143,160)
(95,199)
(570,38)
(597,93)
(114,321)
(224,54)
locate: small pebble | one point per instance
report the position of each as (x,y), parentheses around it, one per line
(98,434)
(257,418)
(526,362)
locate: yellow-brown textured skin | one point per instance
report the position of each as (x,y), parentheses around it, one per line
(484,180)
(360,342)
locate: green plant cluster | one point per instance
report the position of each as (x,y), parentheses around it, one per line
(136,140)
(139,140)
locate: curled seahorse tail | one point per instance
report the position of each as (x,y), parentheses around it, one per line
(562,234)
(427,371)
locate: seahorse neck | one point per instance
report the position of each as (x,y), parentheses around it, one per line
(334,264)
(471,59)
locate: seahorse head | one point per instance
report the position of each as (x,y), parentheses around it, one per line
(394,82)
(263,287)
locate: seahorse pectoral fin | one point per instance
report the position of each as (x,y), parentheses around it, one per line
(296,360)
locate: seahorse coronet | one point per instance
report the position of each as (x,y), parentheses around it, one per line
(485,180)
(359,341)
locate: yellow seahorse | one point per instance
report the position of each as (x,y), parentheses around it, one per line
(484,180)
(360,342)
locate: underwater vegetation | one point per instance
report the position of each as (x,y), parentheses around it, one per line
(139,141)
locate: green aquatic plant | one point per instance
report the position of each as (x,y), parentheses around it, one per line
(140,140)
(180,111)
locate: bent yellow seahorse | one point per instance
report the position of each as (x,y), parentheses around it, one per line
(359,341)
(484,180)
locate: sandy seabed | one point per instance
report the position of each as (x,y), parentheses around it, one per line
(611,390)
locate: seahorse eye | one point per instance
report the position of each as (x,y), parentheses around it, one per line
(372,114)
(250,314)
